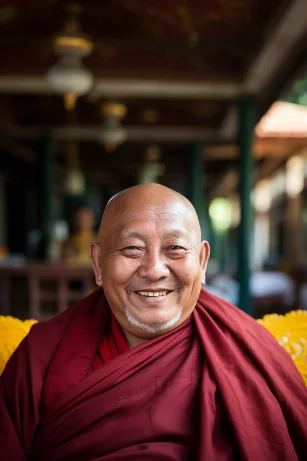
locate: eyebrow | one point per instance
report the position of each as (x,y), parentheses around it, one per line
(140,235)
(132,234)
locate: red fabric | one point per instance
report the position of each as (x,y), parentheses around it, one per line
(218,387)
(113,344)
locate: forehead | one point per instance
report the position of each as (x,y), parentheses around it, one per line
(165,218)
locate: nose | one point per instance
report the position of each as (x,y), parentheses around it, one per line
(153,267)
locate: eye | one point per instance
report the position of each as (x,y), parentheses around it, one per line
(175,247)
(175,252)
(132,250)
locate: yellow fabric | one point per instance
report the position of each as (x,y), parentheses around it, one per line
(12,332)
(290,330)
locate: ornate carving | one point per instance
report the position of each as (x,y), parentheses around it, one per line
(290,330)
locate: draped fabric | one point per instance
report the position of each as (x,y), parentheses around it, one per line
(218,387)
(113,344)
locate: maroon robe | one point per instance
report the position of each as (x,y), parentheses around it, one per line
(113,344)
(218,387)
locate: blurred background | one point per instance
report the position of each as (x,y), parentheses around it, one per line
(208,98)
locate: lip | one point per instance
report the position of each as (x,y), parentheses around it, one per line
(154,289)
(152,299)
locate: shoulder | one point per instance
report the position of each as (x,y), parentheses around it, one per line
(36,349)
(23,378)
(246,335)
(39,346)
(240,325)
(243,337)
(225,310)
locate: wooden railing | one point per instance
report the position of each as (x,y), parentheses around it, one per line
(55,285)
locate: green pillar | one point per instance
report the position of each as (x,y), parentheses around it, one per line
(195,190)
(45,194)
(246,127)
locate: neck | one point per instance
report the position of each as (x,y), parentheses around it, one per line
(132,340)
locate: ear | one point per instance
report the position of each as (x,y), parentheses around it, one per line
(203,259)
(95,255)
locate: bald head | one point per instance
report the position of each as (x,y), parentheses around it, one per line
(145,197)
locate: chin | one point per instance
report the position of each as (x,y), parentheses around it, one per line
(153,327)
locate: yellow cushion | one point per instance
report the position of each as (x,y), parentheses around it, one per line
(291,332)
(12,332)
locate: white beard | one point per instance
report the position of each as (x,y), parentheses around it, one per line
(152,328)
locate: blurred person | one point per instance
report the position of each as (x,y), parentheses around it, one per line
(75,249)
(151,366)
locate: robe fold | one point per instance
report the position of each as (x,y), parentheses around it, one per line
(218,387)
(113,344)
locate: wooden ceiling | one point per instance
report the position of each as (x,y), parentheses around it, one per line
(211,48)
(179,39)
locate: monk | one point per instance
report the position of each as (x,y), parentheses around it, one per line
(150,366)
(75,249)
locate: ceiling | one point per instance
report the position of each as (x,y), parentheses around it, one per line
(178,66)
(136,39)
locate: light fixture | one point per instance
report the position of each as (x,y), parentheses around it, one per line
(113,134)
(152,168)
(113,109)
(112,137)
(68,75)
(75,182)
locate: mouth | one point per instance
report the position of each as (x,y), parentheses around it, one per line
(153,294)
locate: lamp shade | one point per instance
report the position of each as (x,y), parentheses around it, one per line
(69,76)
(113,135)
(75,182)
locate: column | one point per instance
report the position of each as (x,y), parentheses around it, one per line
(45,194)
(195,190)
(246,127)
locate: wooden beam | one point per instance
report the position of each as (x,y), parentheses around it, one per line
(121,88)
(274,53)
(134,133)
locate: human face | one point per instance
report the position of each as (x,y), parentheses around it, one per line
(150,267)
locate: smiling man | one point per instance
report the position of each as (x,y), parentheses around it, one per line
(150,260)
(151,366)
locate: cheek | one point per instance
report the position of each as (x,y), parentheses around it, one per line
(119,270)
(189,272)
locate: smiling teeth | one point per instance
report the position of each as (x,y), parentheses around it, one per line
(152,293)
